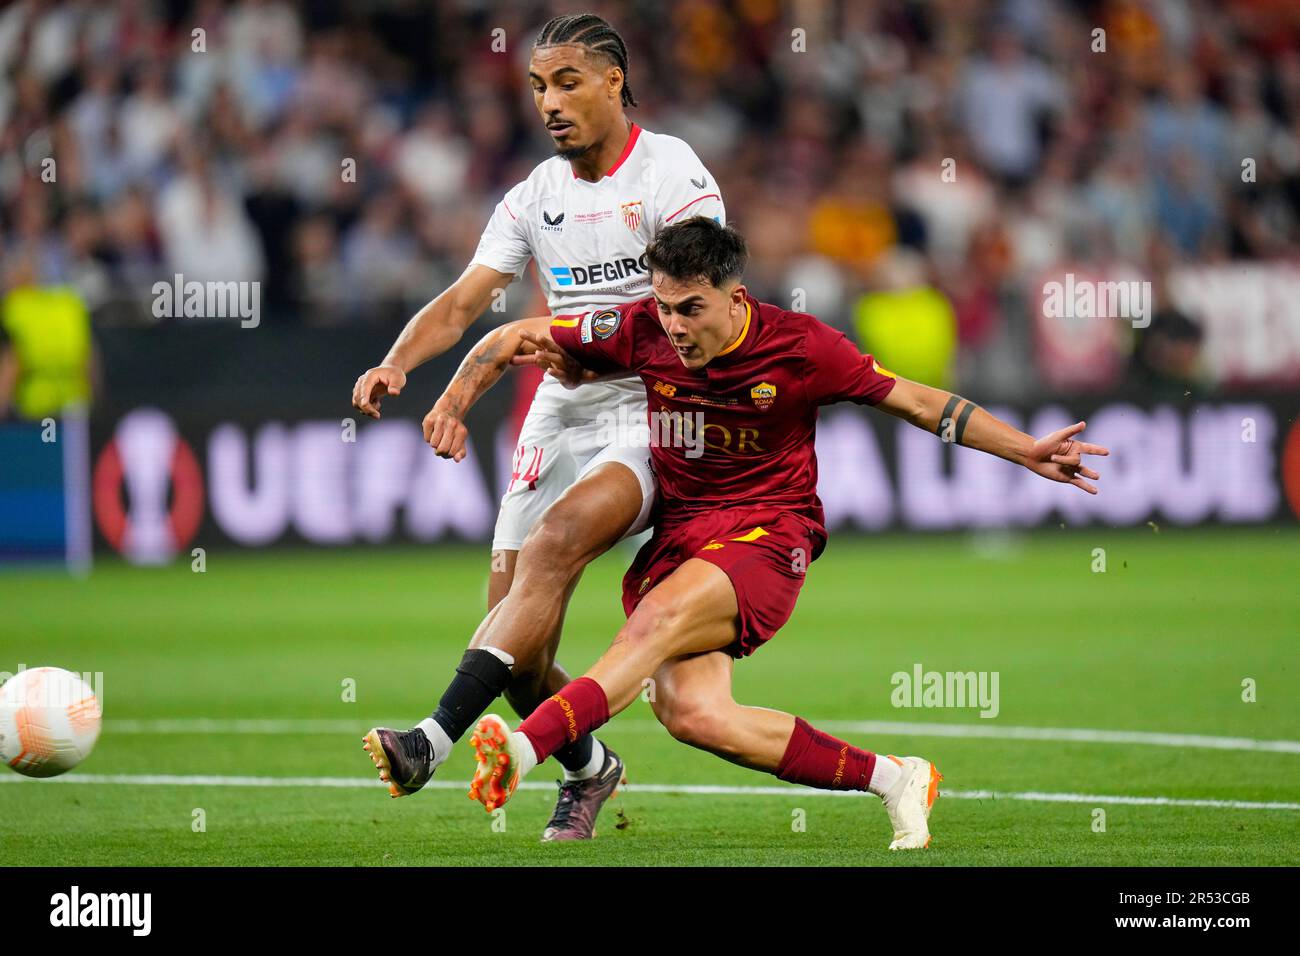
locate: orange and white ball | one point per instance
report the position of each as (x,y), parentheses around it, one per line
(49,721)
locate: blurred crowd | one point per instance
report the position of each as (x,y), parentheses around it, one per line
(892,161)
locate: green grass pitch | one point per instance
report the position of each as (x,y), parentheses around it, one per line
(1160,643)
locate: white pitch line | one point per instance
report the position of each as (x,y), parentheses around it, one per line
(1087,735)
(365,783)
(236,726)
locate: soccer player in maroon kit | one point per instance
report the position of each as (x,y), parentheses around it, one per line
(736,526)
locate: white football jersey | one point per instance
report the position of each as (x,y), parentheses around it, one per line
(589,240)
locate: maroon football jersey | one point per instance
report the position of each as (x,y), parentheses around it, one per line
(738,432)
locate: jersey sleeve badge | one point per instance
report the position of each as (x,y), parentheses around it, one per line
(605,323)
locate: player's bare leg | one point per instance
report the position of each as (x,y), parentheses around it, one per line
(582,524)
(691,697)
(693,610)
(533,680)
(676,635)
(693,700)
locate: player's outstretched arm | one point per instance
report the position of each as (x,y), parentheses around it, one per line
(444,426)
(430,332)
(540,349)
(1057,456)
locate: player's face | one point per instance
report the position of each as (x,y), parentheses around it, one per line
(578,99)
(701,319)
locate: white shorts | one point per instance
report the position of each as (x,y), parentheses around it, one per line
(555,452)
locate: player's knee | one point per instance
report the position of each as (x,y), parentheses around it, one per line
(654,622)
(555,546)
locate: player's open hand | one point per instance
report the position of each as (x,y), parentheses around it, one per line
(541,350)
(1059,457)
(374,385)
(445,431)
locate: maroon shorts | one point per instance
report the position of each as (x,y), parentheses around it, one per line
(764,551)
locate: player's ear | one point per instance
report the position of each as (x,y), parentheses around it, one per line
(614,82)
(738,297)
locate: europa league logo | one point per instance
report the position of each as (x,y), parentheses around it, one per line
(148,489)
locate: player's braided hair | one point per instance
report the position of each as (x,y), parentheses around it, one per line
(698,248)
(590,31)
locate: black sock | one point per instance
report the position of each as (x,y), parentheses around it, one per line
(480,679)
(573,757)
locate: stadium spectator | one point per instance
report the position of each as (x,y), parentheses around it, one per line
(206,233)
(1004,102)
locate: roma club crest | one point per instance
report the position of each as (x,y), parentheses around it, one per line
(631,214)
(763,395)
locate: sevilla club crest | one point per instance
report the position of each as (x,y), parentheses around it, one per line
(631,214)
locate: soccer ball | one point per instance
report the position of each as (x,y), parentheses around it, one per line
(49,721)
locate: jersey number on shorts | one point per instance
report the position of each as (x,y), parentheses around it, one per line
(534,470)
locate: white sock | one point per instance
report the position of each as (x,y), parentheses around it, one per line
(527,755)
(442,744)
(884,775)
(593,765)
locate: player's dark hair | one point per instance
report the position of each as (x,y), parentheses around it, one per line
(698,248)
(590,31)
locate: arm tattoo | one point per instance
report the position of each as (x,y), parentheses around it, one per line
(962,419)
(946,429)
(484,354)
(945,417)
(478,365)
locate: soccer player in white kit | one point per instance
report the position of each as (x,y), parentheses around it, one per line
(579,483)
